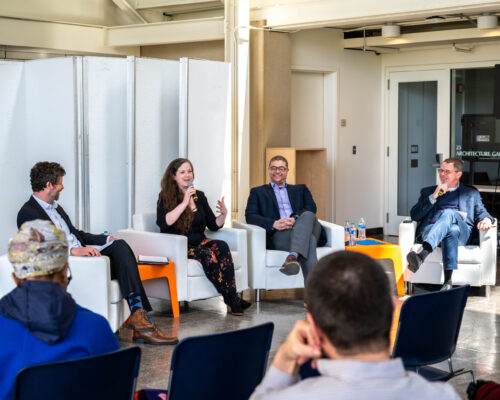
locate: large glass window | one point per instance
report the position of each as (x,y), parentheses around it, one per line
(475,131)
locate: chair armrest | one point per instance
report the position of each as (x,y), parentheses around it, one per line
(334,235)
(406,238)
(488,245)
(256,239)
(235,238)
(174,247)
(90,286)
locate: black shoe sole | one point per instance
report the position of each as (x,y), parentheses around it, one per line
(413,261)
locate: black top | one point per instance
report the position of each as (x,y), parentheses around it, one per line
(203,217)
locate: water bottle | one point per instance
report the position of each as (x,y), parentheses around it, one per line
(352,235)
(361,229)
(347,228)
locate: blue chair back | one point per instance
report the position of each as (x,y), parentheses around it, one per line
(226,365)
(429,325)
(106,376)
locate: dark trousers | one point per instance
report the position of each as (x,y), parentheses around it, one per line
(217,262)
(302,238)
(124,268)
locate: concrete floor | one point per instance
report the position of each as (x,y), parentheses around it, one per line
(478,344)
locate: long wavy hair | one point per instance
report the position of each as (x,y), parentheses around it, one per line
(171,196)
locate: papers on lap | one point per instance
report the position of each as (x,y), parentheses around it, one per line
(142,259)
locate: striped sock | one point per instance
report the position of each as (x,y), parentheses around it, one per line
(135,303)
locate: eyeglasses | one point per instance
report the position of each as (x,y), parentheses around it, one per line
(280,169)
(69,276)
(445,171)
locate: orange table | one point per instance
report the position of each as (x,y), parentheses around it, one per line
(384,250)
(167,271)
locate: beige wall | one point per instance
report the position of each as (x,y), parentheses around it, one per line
(358,178)
(92,12)
(213,50)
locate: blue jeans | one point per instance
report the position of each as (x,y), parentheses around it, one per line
(451,231)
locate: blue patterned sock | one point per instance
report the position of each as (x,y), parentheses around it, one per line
(293,254)
(135,303)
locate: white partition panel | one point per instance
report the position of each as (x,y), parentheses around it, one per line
(156,126)
(51,128)
(106,143)
(12,147)
(205,129)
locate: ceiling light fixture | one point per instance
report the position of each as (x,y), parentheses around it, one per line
(391,31)
(434,19)
(485,22)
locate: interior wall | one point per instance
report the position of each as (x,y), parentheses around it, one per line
(211,50)
(270,88)
(358,177)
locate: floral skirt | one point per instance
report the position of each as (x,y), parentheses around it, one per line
(217,262)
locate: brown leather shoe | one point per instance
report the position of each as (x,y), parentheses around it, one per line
(157,337)
(138,321)
(291,266)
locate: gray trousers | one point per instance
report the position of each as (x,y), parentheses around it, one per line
(302,238)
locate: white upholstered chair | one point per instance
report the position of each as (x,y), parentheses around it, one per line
(477,265)
(192,284)
(263,265)
(91,287)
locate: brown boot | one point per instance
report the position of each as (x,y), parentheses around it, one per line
(157,337)
(138,321)
(291,266)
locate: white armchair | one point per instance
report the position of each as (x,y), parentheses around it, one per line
(477,265)
(263,265)
(192,284)
(91,287)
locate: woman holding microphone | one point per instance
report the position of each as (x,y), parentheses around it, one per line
(185,211)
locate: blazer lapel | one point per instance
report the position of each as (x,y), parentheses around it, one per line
(272,196)
(291,196)
(42,214)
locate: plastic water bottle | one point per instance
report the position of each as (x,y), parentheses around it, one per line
(352,235)
(361,229)
(347,228)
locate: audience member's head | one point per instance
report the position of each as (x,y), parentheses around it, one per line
(39,251)
(349,299)
(43,172)
(458,164)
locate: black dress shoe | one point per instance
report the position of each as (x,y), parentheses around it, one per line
(244,304)
(414,261)
(235,308)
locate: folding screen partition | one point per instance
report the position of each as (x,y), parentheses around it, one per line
(204,126)
(114,124)
(107,191)
(156,126)
(13,177)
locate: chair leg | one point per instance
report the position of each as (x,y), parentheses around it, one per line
(409,288)
(257,295)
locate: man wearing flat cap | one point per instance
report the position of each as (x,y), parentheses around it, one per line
(40,322)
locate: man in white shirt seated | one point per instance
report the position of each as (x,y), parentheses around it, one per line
(47,183)
(349,321)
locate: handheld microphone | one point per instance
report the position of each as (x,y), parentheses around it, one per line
(441,191)
(195,196)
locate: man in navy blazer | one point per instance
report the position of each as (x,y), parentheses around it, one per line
(288,214)
(47,183)
(449,214)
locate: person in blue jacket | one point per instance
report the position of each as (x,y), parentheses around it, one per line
(449,214)
(40,321)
